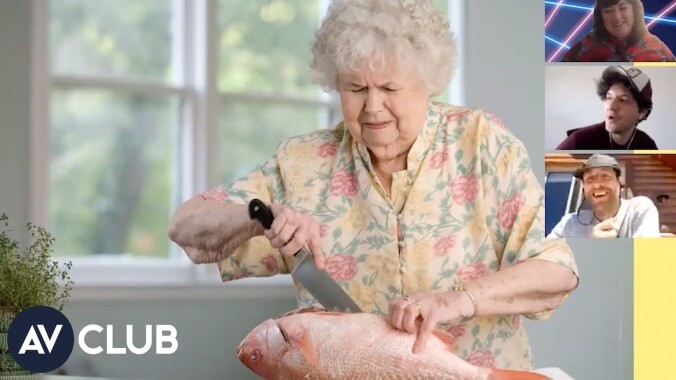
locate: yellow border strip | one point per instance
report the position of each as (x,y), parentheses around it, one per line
(655,64)
(654,308)
(664,151)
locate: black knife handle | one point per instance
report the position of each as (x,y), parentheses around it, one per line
(259,211)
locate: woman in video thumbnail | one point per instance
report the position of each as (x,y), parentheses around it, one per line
(619,34)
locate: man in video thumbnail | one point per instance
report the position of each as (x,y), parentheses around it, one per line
(627,95)
(609,216)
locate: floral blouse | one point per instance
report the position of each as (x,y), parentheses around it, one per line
(467,205)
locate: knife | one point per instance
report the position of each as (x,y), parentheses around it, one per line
(322,286)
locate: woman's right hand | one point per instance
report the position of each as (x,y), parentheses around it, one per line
(291,230)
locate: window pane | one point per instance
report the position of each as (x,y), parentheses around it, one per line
(557,189)
(249,134)
(111,164)
(123,38)
(265,45)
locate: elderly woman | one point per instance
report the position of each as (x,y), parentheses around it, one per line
(421,211)
(619,34)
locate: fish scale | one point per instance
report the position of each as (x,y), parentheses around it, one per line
(331,345)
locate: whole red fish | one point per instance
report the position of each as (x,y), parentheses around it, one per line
(331,345)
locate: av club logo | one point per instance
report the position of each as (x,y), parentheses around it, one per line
(40,339)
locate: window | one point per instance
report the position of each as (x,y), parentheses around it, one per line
(559,188)
(141,104)
(117,110)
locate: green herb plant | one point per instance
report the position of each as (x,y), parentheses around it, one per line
(30,277)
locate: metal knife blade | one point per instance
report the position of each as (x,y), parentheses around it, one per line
(319,283)
(322,286)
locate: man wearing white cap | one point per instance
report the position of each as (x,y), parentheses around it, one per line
(627,94)
(609,215)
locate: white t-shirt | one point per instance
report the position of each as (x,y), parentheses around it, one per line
(639,216)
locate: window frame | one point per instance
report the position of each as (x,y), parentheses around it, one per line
(195,56)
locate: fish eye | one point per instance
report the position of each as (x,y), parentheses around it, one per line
(254,355)
(286,338)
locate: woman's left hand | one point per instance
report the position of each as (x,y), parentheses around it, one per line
(422,312)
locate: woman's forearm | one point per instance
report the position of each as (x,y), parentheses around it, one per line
(210,231)
(530,287)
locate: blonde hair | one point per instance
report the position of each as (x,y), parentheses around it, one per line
(379,32)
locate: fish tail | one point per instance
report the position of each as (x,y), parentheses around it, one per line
(501,374)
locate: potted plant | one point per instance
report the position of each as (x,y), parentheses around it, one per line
(28,278)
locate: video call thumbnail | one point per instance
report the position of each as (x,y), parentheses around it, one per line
(610,196)
(609,31)
(609,108)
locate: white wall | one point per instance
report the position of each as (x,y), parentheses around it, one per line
(589,337)
(14,111)
(571,102)
(209,331)
(504,64)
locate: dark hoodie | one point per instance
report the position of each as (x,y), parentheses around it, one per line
(595,137)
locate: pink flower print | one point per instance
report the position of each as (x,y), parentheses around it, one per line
(341,267)
(516,321)
(464,188)
(457,330)
(438,159)
(270,263)
(443,245)
(343,183)
(471,272)
(327,149)
(496,120)
(482,358)
(509,209)
(457,115)
(218,194)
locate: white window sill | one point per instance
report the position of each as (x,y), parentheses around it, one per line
(240,289)
(133,278)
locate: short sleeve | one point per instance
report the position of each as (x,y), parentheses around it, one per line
(515,201)
(255,257)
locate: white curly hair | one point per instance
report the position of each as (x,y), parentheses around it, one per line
(380,32)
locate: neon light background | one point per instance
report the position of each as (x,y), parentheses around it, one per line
(567,21)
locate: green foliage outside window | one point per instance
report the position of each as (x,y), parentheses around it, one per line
(114,157)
